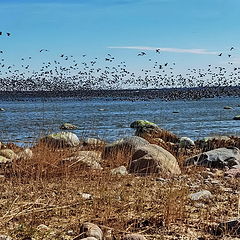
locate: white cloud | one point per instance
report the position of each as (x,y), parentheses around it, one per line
(173,50)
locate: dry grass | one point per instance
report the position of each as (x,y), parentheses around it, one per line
(42,191)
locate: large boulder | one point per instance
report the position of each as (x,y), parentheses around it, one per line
(61,139)
(125,146)
(217,158)
(153,159)
(150,131)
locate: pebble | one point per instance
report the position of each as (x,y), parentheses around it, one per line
(205,194)
(122,170)
(91,230)
(5,237)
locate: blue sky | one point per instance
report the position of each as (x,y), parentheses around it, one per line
(188,32)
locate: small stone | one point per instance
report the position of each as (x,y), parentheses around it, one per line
(227,107)
(8,153)
(237,117)
(161,179)
(91,230)
(120,170)
(134,236)
(215,182)
(43,228)
(70,233)
(68,126)
(5,237)
(201,195)
(86,196)
(26,154)
(5,161)
(186,142)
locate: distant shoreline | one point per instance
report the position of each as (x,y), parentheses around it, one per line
(131,94)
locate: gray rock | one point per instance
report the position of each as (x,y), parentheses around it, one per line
(26,154)
(8,153)
(5,162)
(125,146)
(186,142)
(217,158)
(119,170)
(2,109)
(68,126)
(85,159)
(93,142)
(202,195)
(91,230)
(134,236)
(229,228)
(152,159)
(61,139)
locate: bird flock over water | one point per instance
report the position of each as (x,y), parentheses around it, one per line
(68,72)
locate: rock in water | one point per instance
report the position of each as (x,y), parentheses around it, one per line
(134,236)
(68,126)
(150,131)
(91,230)
(227,107)
(142,124)
(152,159)
(217,158)
(61,139)
(2,109)
(237,117)
(125,146)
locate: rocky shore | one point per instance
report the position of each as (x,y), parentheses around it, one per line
(153,185)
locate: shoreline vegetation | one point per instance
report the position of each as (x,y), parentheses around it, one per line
(153,185)
(166,94)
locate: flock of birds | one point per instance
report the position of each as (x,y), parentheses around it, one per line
(67,72)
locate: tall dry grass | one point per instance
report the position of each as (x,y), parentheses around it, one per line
(44,191)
